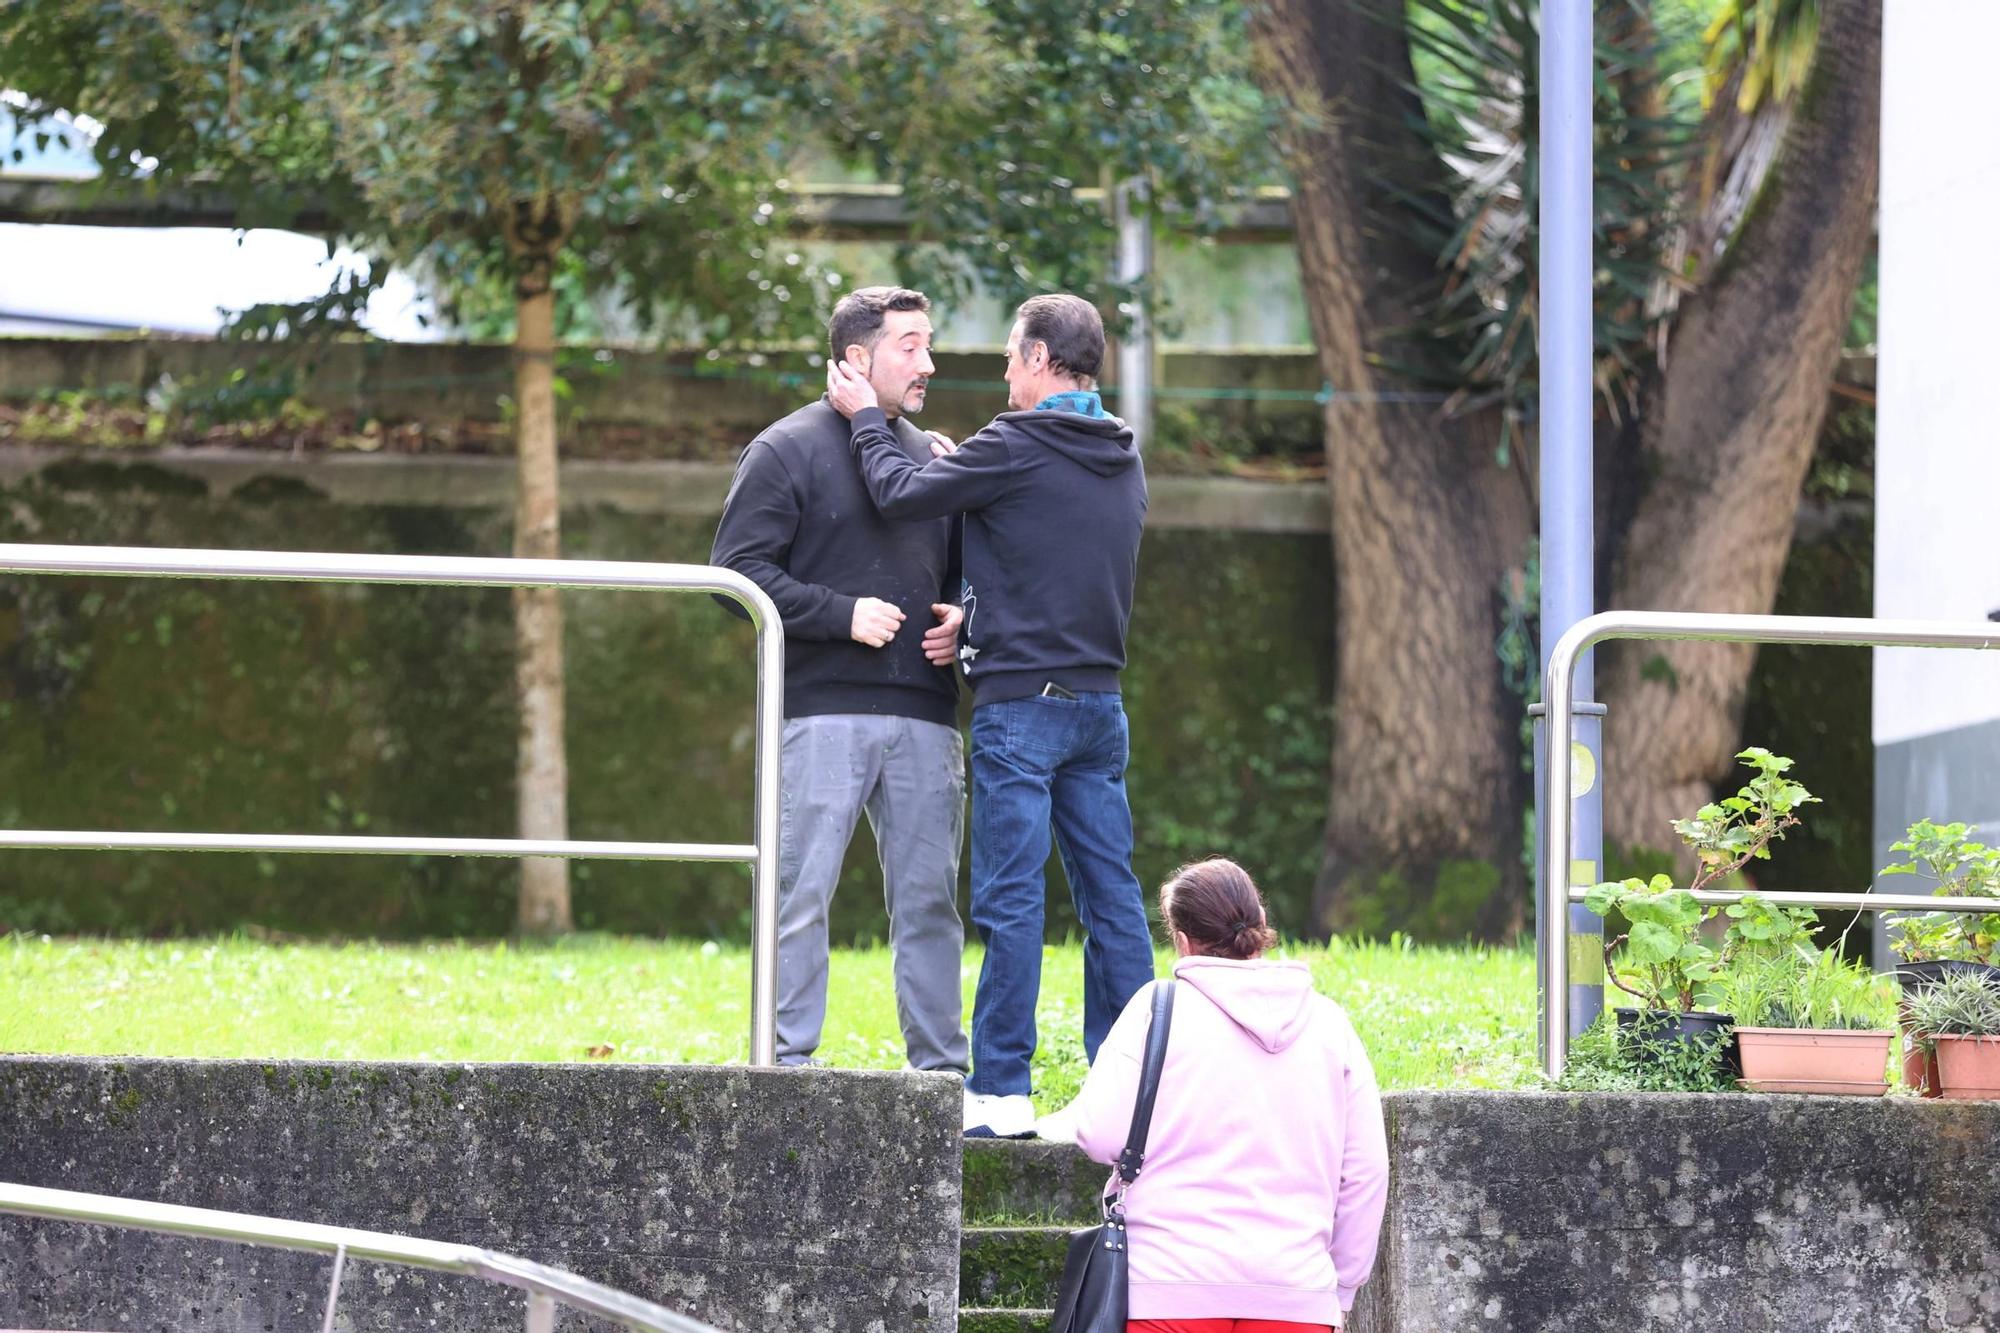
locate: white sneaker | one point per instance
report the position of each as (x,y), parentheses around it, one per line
(1058,1126)
(989,1116)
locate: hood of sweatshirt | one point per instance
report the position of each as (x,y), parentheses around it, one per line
(1102,444)
(1270,1000)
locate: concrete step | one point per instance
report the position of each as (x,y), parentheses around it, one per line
(976,1320)
(1011,1268)
(1019,1181)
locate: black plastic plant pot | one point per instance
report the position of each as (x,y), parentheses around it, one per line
(1657,1027)
(1914,977)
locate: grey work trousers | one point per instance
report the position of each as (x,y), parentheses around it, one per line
(910,778)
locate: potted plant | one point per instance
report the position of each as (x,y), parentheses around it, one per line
(1958,1019)
(1933,944)
(1662,959)
(1809,1021)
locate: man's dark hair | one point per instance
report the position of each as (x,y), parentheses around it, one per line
(1070,328)
(858,316)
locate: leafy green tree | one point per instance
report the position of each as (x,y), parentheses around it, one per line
(485,141)
(637,148)
(1730,242)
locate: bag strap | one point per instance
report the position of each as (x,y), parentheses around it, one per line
(1134,1155)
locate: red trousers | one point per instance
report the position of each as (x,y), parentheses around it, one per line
(1221,1326)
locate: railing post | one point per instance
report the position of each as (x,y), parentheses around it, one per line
(764,871)
(1585,938)
(1552,913)
(470,571)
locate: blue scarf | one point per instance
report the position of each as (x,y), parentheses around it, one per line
(1083,402)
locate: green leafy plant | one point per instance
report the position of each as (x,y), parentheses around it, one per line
(1728,834)
(1825,991)
(1664,960)
(1960,1005)
(1960,868)
(1601,1061)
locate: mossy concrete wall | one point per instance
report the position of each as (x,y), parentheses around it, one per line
(1574,1214)
(162,704)
(751,1199)
(1258,397)
(1650,1213)
(828,1200)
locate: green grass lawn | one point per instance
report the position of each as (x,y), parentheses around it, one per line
(1431,1017)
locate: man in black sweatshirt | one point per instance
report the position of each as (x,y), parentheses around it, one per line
(1054,499)
(870,698)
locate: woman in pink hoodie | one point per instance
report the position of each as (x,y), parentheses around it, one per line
(1266,1170)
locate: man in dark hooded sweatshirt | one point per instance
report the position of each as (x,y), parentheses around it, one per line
(1054,500)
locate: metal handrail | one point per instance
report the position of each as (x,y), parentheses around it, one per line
(538,1280)
(1552,944)
(469,571)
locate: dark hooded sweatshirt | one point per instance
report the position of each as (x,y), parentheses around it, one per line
(1054,503)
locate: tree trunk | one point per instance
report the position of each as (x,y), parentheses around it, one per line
(541,769)
(1730,435)
(1427,787)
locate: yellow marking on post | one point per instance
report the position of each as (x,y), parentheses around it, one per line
(1586,961)
(1582,770)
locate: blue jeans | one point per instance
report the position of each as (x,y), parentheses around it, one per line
(1040,764)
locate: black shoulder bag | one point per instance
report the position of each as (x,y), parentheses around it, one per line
(1095,1291)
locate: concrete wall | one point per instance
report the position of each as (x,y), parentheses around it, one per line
(751,1199)
(825,1200)
(1570,1214)
(650,486)
(1937,711)
(675,388)
(1655,1213)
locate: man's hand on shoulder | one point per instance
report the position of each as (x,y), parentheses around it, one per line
(876,621)
(848,389)
(941,640)
(941,444)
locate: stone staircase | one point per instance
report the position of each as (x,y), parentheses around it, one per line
(1021,1201)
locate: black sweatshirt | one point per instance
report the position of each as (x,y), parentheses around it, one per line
(800,526)
(1054,503)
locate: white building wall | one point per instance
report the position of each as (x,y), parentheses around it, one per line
(1937,517)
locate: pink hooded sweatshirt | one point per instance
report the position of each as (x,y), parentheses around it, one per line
(1267,1169)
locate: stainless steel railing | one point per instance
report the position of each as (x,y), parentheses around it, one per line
(761,854)
(545,1287)
(1552,943)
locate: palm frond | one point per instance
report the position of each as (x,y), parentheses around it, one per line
(1764,47)
(1477,66)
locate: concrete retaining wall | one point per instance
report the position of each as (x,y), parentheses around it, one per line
(757,1199)
(822,1200)
(1251,393)
(652,486)
(1568,1214)
(1552,1213)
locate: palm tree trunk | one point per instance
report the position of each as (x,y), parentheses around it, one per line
(541,771)
(1730,435)
(1426,784)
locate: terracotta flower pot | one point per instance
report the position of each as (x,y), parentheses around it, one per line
(1969,1067)
(1920,1071)
(1841,1063)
